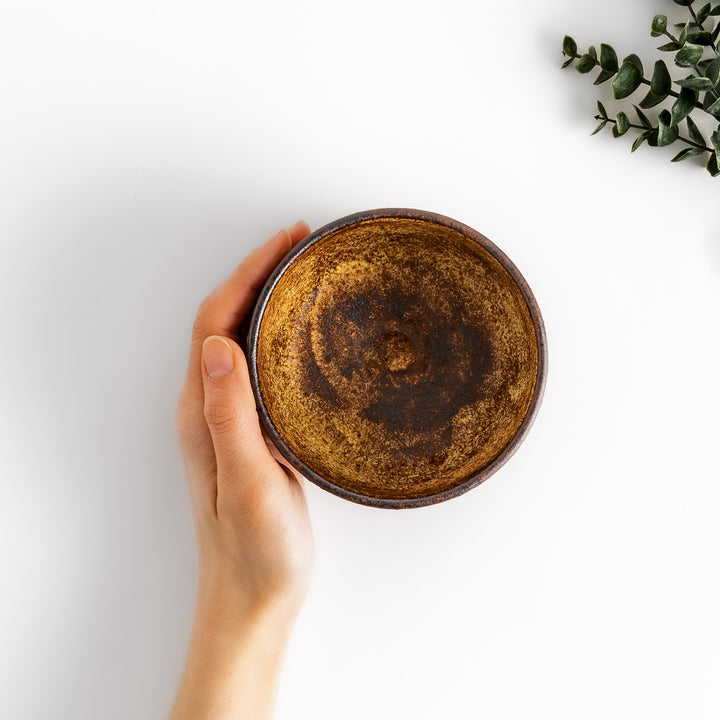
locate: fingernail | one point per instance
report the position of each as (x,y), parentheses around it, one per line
(297,225)
(218,357)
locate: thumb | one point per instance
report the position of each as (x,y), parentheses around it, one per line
(230,410)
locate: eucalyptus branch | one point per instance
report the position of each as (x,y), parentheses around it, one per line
(695,49)
(699,23)
(671,93)
(700,146)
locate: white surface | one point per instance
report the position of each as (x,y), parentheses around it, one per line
(146,148)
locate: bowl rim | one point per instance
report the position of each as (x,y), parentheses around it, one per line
(405,213)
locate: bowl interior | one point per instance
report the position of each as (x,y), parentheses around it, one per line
(396,358)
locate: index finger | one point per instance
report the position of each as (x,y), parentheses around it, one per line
(223,311)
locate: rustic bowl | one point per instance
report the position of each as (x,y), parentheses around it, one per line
(397,357)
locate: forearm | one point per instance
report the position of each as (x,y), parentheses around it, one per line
(234,661)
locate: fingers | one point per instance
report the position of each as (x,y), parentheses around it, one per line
(226,307)
(298,231)
(222,312)
(229,409)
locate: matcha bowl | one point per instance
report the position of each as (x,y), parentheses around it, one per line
(397,357)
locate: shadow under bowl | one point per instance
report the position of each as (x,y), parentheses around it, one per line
(397,357)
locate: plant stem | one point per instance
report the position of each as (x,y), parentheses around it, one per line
(699,74)
(700,27)
(644,81)
(674,94)
(644,129)
(670,92)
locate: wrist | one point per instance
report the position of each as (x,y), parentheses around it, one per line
(236,651)
(233,615)
(227,589)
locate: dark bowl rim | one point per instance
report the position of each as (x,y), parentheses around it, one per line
(407,213)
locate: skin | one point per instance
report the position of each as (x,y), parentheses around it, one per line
(255,544)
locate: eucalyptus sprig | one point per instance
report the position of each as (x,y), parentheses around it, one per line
(696,49)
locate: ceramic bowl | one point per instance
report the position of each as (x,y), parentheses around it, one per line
(397,357)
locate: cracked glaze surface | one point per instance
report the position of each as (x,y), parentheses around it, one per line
(396,358)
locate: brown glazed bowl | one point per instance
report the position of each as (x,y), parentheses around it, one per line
(397,357)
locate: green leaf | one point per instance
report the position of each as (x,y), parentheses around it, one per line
(683,35)
(643,117)
(569,47)
(604,76)
(702,13)
(599,127)
(651,100)
(700,38)
(714,109)
(652,140)
(695,134)
(715,10)
(640,139)
(602,110)
(667,132)
(608,58)
(585,64)
(683,106)
(660,86)
(622,124)
(715,140)
(661,82)
(702,65)
(689,55)
(687,153)
(712,70)
(634,60)
(684,2)
(695,83)
(670,47)
(567,62)
(712,165)
(592,52)
(629,77)
(659,25)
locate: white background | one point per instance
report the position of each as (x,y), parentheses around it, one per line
(146,147)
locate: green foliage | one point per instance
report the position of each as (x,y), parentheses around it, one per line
(702,14)
(668,131)
(643,118)
(695,83)
(659,25)
(696,49)
(715,140)
(629,77)
(689,55)
(687,153)
(711,70)
(712,166)
(714,109)
(695,134)
(622,124)
(586,63)
(569,46)
(683,106)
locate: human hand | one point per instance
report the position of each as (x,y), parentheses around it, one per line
(255,544)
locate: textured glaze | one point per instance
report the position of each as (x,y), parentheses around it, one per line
(396,358)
